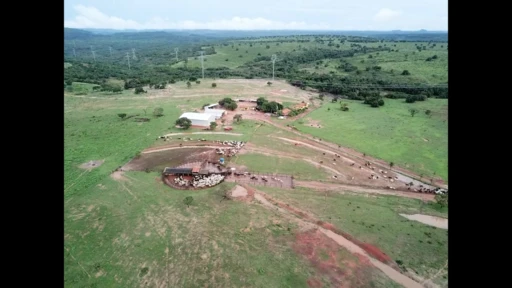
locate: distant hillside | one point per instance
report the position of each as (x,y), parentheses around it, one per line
(421,35)
(77,34)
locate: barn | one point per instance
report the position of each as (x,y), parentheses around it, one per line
(218,113)
(199,119)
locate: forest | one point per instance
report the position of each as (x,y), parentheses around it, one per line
(340,64)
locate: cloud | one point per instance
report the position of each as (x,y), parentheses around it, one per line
(386,14)
(90,17)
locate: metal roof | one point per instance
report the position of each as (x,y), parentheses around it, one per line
(216,112)
(197,116)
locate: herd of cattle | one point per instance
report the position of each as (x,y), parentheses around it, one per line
(200,181)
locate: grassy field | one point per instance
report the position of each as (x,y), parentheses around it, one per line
(375,220)
(269,164)
(405,56)
(142,233)
(389,132)
(243,53)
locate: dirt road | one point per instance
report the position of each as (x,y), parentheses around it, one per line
(342,241)
(205,133)
(320,186)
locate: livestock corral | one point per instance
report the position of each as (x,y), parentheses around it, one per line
(195,175)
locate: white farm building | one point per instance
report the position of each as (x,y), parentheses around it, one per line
(218,113)
(199,119)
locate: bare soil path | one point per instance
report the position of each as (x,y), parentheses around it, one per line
(321,186)
(342,241)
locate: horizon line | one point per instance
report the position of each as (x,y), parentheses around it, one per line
(241,30)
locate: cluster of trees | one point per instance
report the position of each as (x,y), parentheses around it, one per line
(262,104)
(374,99)
(228,103)
(414,98)
(140,90)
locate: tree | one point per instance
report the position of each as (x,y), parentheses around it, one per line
(214,85)
(321,97)
(442,199)
(189,84)
(139,90)
(260,101)
(237,117)
(158,112)
(188,200)
(406,72)
(198,82)
(410,99)
(428,113)
(391,164)
(121,115)
(343,106)
(269,83)
(413,111)
(213,125)
(184,123)
(231,106)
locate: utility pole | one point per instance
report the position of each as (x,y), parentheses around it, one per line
(202,65)
(128,58)
(273,58)
(93,54)
(176,52)
(133,53)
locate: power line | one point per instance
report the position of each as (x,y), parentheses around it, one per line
(128,58)
(274,58)
(93,54)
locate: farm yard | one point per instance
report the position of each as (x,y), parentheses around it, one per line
(308,196)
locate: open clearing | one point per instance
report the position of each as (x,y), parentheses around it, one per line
(429,220)
(389,132)
(143,232)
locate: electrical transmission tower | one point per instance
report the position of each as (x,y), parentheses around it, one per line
(134,57)
(74,47)
(128,58)
(273,59)
(110,48)
(176,52)
(202,65)
(93,54)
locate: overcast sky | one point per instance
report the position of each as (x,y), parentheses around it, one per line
(258,14)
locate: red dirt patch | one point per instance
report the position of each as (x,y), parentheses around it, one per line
(370,249)
(314,283)
(323,254)
(376,253)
